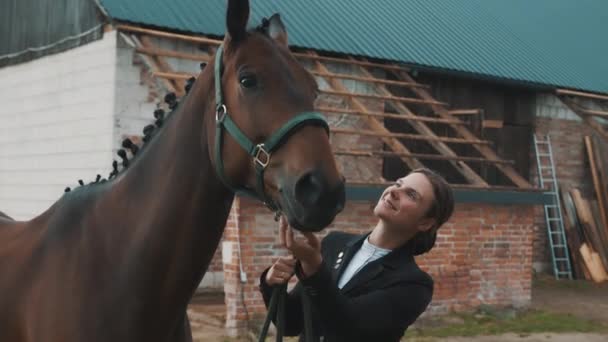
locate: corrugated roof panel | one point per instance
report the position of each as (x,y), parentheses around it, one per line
(551,42)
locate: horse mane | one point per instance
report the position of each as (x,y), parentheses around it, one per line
(149,132)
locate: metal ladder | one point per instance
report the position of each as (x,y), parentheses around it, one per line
(553,212)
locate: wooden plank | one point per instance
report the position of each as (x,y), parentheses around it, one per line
(587,221)
(364,153)
(174,54)
(598,186)
(423,137)
(601,151)
(572,236)
(389,115)
(491,123)
(369,79)
(375,125)
(578,110)
(172,75)
(581,94)
(381,97)
(485,151)
(423,129)
(596,269)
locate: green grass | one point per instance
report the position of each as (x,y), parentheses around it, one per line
(500,322)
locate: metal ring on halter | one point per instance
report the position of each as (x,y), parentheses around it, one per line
(260,151)
(220,113)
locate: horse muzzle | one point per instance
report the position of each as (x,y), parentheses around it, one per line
(311,203)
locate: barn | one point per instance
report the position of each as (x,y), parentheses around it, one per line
(470,89)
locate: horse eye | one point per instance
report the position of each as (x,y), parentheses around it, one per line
(248,81)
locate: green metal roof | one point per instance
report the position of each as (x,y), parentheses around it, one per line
(561,43)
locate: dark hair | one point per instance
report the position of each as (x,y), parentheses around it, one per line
(441,210)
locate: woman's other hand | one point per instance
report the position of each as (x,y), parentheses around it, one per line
(281,271)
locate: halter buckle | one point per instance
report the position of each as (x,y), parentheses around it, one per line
(261,157)
(220,113)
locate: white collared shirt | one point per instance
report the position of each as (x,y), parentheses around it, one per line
(366,254)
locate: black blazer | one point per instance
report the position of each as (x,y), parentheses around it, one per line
(377,304)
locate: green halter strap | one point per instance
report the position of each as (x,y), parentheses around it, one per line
(260,153)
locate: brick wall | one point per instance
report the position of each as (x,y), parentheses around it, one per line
(567,131)
(483,255)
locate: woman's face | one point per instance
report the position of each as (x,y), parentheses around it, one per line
(404,204)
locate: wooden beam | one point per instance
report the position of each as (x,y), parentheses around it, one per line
(423,137)
(393,143)
(169,53)
(485,151)
(163,34)
(363,153)
(596,113)
(581,94)
(389,115)
(369,80)
(381,97)
(441,147)
(343,60)
(578,110)
(163,66)
(155,67)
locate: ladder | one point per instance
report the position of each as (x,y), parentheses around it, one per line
(553,212)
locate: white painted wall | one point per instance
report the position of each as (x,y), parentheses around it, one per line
(133,108)
(55,125)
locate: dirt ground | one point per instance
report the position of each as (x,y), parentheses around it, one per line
(579,298)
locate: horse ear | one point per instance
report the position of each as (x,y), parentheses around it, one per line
(236,19)
(277,30)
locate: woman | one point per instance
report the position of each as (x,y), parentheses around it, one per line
(366,287)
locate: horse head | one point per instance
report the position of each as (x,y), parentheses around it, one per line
(265,138)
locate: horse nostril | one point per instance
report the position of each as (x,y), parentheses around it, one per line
(309,189)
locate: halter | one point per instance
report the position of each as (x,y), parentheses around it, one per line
(260,153)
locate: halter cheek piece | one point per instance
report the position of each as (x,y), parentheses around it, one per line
(260,153)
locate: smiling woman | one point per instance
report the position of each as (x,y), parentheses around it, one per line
(366,287)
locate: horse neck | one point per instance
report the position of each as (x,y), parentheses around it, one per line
(170,207)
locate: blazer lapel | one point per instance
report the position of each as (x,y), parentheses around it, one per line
(393,260)
(345,255)
(367,273)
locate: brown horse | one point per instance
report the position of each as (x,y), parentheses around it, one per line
(120,260)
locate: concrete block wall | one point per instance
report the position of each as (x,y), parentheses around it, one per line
(55,125)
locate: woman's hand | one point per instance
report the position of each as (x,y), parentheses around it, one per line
(307,250)
(281,271)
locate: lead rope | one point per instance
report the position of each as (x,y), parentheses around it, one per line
(276,309)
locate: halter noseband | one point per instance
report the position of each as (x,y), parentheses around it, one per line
(262,152)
